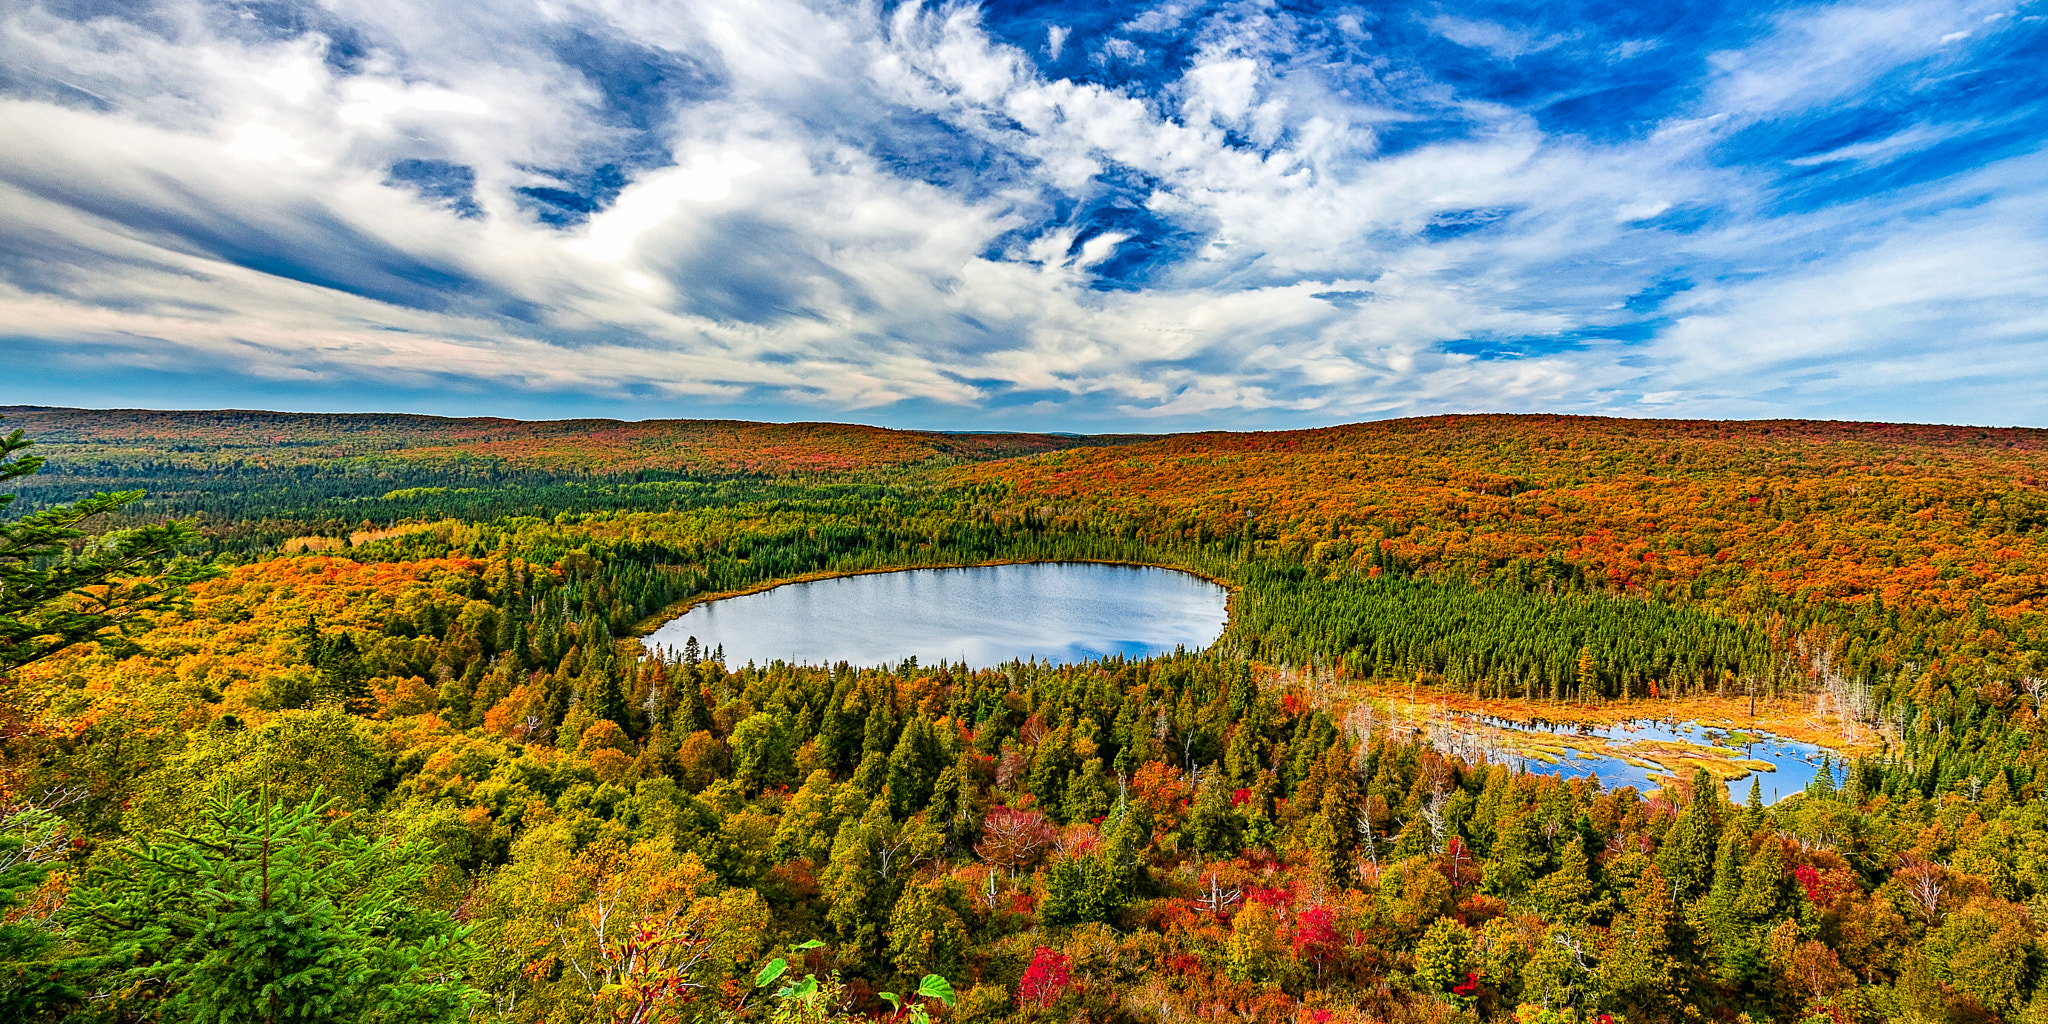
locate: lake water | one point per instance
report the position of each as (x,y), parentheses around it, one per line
(989,615)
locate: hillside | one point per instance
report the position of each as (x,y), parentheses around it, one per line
(253,479)
(1923,515)
(80,440)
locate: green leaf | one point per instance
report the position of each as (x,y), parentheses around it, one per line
(804,990)
(935,987)
(812,944)
(893,1001)
(771,972)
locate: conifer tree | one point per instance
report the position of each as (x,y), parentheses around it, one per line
(34,983)
(1722,924)
(1567,894)
(1213,826)
(1641,974)
(1686,855)
(52,597)
(262,914)
(1517,857)
(914,767)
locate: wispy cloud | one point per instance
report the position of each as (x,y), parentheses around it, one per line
(1195,214)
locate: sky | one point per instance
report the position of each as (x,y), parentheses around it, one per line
(1028,216)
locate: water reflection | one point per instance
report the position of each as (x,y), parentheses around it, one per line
(1058,611)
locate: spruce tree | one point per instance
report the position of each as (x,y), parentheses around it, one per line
(264,914)
(34,984)
(914,767)
(128,571)
(1642,975)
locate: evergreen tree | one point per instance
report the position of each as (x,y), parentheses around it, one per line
(1517,857)
(1087,796)
(761,752)
(263,914)
(1641,974)
(1241,759)
(1686,855)
(604,699)
(1214,827)
(34,983)
(1567,894)
(926,933)
(914,767)
(128,571)
(1729,940)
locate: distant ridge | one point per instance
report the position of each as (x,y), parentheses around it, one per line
(284,439)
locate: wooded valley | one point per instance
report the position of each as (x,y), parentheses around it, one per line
(383,746)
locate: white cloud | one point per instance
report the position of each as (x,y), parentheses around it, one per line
(1499,40)
(853,212)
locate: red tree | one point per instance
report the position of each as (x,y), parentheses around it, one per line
(1046,980)
(1012,838)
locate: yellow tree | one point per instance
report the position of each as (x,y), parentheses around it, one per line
(631,934)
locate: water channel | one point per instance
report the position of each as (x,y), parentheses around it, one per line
(1060,612)
(1642,752)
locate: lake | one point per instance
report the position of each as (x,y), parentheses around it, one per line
(1058,612)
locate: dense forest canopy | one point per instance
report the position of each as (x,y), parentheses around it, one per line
(395,750)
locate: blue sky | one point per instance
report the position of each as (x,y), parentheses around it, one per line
(1013,215)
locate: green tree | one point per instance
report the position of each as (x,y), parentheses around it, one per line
(56,592)
(1445,958)
(1213,825)
(1517,857)
(1735,948)
(1686,855)
(1987,950)
(265,913)
(1567,895)
(32,983)
(761,751)
(926,935)
(914,767)
(1641,973)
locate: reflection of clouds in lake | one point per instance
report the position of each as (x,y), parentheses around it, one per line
(1062,612)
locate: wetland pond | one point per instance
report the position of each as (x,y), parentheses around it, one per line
(1059,612)
(1640,752)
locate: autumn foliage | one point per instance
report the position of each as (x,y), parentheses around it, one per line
(635,835)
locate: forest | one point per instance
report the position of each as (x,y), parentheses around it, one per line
(346,719)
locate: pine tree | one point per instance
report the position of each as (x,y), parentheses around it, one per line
(43,563)
(1241,759)
(1567,894)
(1050,766)
(34,983)
(926,934)
(1087,796)
(264,914)
(1686,855)
(1588,675)
(761,752)
(1641,974)
(1213,826)
(1729,940)
(914,767)
(1517,857)
(854,890)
